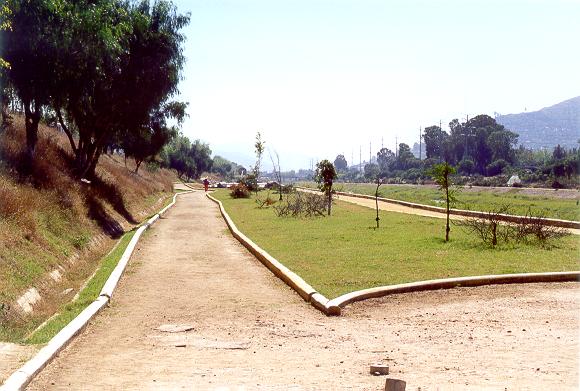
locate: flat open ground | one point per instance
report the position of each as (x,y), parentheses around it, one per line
(250,331)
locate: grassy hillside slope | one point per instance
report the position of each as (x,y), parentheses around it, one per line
(54,229)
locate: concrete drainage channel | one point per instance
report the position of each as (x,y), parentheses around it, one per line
(334,306)
(23,376)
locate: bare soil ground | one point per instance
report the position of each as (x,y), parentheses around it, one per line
(250,331)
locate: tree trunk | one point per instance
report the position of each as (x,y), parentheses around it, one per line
(137,165)
(329,200)
(447,229)
(32,118)
(67,132)
(377,201)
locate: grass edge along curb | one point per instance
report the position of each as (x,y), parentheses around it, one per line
(293,280)
(450,283)
(459,212)
(24,375)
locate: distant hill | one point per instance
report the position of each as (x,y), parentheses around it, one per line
(545,128)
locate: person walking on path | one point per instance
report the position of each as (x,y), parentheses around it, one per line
(205,184)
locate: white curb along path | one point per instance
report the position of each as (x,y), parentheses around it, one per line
(23,376)
(334,306)
(293,280)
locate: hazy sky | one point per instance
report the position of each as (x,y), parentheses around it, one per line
(322,77)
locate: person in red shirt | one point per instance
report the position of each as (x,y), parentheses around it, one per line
(205,184)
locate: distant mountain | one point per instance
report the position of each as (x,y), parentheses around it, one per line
(548,127)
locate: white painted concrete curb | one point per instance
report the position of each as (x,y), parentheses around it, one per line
(334,306)
(307,292)
(449,283)
(23,376)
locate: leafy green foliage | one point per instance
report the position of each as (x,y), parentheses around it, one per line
(190,160)
(340,163)
(106,68)
(325,176)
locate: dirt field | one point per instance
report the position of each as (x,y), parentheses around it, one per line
(250,331)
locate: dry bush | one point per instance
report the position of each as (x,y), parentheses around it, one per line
(302,204)
(492,229)
(489,227)
(239,190)
(533,226)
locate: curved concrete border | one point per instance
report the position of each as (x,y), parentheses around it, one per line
(459,212)
(449,283)
(23,376)
(308,293)
(334,306)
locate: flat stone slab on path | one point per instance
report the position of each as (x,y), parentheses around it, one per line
(188,270)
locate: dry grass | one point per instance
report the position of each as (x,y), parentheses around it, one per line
(47,219)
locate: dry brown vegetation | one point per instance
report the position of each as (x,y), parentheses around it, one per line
(49,220)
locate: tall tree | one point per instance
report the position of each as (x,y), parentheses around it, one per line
(405,158)
(442,176)
(435,139)
(124,66)
(28,58)
(340,163)
(386,160)
(325,176)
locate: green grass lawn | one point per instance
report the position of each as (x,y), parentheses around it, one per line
(472,199)
(343,253)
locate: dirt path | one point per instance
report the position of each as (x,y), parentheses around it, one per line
(252,332)
(389,207)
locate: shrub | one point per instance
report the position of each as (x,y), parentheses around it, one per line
(531,228)
(240,191)
(302,204)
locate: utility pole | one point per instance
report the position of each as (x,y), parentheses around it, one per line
(440,125)
(360,159)
(396,148)
(370,153)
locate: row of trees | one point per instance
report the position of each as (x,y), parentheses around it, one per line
(106,70)
(479,146)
